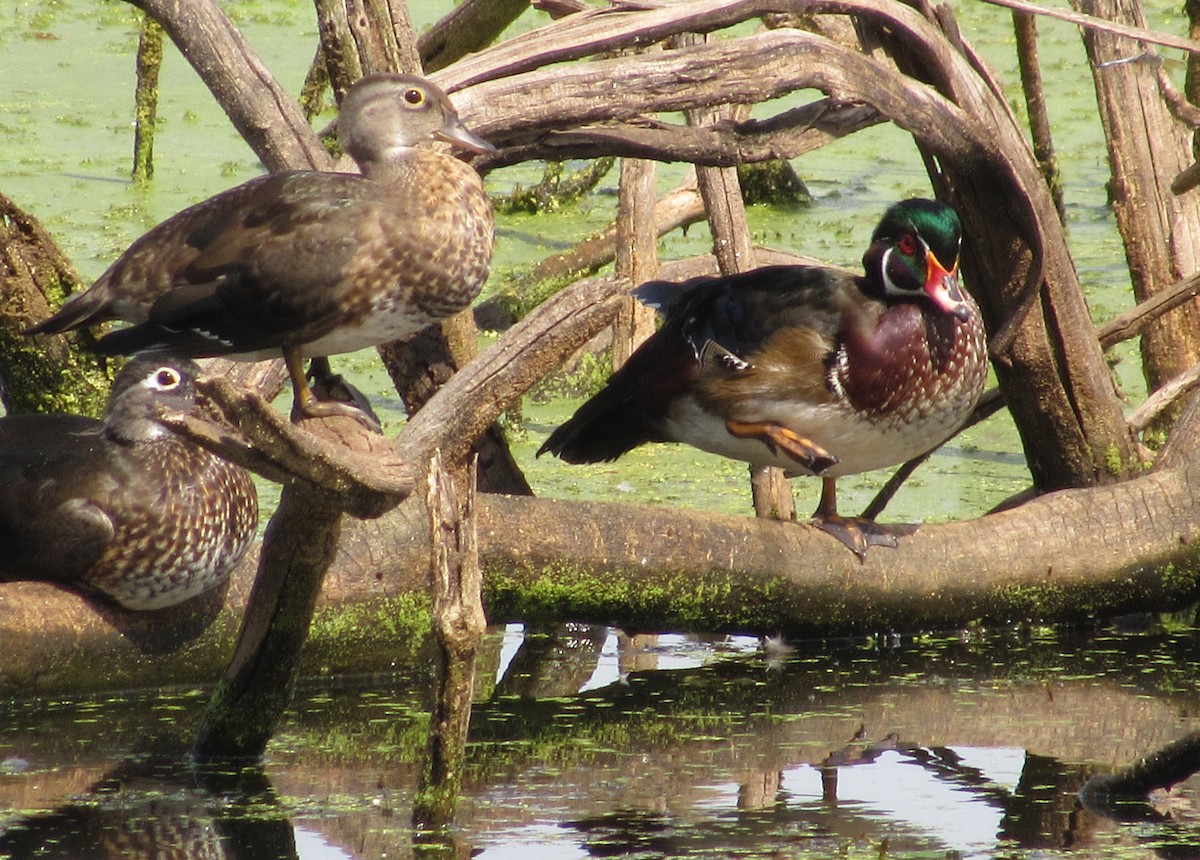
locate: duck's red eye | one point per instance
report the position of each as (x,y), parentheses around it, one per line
(414,96)
(908,244)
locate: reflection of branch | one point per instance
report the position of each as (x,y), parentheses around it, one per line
(1123,795)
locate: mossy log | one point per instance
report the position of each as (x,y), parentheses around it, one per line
(656,568)
(47,375)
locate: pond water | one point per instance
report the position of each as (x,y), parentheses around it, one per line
(586,742)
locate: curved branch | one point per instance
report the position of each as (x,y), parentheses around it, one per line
(337,455)
(727,144)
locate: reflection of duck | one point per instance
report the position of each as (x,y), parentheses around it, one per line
(122,508)
(812,369)
(312,263)
(151,810)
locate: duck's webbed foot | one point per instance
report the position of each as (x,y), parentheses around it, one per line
(859,534)
(328,395)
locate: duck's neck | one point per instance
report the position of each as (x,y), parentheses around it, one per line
(386,165)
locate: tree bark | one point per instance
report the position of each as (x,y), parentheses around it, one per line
(1025,27)
(636,254)
(458,627)
(1191,83)
(48,376)
(363,37)
(472,25)
(300,544)
(1147,147)
(149,63)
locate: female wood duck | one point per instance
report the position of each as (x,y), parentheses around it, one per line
(122,508)
(815,370)
(312,263)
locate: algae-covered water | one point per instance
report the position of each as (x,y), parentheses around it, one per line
(586,742)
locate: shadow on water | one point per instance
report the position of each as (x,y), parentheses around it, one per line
(589,743)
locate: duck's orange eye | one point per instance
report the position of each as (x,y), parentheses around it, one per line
(414,96)
(908,244)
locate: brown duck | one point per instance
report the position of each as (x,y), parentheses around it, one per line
(308,263)
(122,508)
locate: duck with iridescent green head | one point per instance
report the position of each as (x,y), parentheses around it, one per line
(816,370)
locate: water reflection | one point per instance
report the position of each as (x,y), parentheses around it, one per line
(160,807)
(584,745)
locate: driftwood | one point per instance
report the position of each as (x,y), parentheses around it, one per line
(1147,147)
(651,567)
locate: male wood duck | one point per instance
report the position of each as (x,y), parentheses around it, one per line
(812,369)
(122,508)
(312,263)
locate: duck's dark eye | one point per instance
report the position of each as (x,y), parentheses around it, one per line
(166,377)
(414,96)
(908,244)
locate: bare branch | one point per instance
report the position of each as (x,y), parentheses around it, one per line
(1091,22)
(1164,397)
(350,464)
(1131,323)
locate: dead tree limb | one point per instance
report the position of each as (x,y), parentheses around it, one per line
(470,26)
(257,685)
(458,627)
(635,253)
(1147,146)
